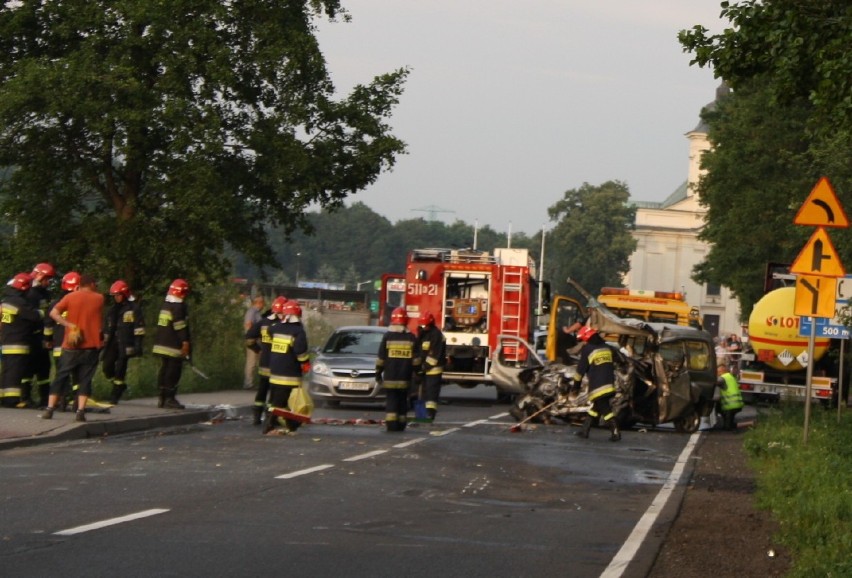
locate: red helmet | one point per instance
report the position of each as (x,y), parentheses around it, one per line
(70,281)
(179,288)
(291,308)
(120,287)
(278,304)
(585,333)
(45,269)
(426,319)
(399,316)
(21,282)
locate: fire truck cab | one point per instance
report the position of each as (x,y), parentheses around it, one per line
(483,303)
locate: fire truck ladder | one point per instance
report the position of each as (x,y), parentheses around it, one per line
(510,311)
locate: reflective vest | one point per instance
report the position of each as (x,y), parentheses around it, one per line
(730,398)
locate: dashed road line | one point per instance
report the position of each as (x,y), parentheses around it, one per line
(410,443)
(304,472)
(371,454)
(110,522)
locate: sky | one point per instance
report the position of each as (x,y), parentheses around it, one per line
(511,103)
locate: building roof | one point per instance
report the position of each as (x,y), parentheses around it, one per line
(678,195)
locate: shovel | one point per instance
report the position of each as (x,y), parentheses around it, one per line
(517,427)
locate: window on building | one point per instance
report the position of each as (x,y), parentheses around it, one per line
(714,290)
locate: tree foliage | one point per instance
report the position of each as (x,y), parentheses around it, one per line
(802,45)
(146,137)
(592,240)
(787,123)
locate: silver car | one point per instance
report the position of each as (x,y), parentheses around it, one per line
(344,370)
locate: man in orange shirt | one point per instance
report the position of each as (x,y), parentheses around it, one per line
(83,310)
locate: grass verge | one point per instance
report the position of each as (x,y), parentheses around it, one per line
(808,488)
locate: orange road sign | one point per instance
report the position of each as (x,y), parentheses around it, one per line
(819,257)
(821,208)
(815,296)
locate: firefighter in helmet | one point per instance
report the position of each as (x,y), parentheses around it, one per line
(38,374)
(19,320)
(395,367)
(289,360)
(124,332)
(259,340)
(172,342)
(55,333)
(597,362)
(433,357)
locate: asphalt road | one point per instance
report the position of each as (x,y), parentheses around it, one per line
(462,497)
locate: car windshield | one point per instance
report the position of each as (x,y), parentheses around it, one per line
(354,342)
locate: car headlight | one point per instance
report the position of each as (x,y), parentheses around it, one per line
(320,368)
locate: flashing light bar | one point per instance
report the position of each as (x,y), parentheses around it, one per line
(676,295)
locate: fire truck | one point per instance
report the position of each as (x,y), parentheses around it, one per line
(483,302)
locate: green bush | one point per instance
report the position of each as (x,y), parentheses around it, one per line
(808,488)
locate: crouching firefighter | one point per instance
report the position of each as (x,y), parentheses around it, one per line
(288,361)
(596,361)
(395,366)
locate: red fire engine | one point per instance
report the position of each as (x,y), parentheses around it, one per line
(479,300)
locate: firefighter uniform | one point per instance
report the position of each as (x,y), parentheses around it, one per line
(124,333)
(432,348)
(19,321)
(172,343)
(37,378)
(395,367)
(259,339)
(597,362)
(288,361)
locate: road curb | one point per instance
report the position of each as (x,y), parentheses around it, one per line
(79,431)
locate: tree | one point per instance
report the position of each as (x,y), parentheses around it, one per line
(802,45)
(787,122)
(592,240)
(758,174)
(147,137)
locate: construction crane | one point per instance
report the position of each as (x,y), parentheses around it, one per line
(433,211)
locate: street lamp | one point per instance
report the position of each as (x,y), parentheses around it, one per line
(298,263)
(358,285)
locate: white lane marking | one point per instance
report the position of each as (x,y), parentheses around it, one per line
(410,442)
(371,454)
(476,423)
(628,550)
(499,415)
(110,522)
(445,432)
(304,472)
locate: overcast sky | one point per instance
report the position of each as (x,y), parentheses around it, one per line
(512,102)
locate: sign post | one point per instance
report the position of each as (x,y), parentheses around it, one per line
(818,266)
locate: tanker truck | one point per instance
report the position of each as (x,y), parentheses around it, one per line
(775,366)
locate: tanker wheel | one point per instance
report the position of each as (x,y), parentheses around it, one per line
(689,423)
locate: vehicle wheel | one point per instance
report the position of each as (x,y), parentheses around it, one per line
(689,423)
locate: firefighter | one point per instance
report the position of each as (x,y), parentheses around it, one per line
(288,361)
(172,342)
(55,333)
(596,361)
(730,399)
(395,366)
(38,374)
(19,320)
(124,332)
(433,355)
(259,340)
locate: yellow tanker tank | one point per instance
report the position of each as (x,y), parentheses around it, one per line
(773,331)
